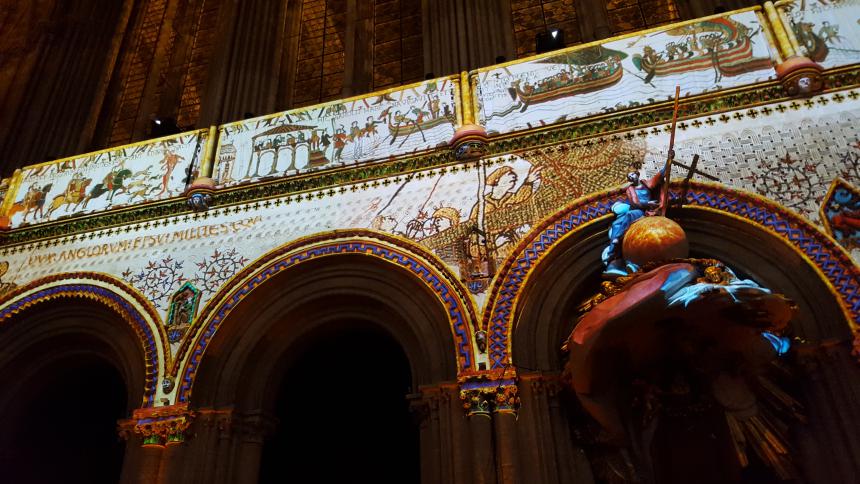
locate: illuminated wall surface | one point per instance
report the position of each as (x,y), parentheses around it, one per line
(561,127)
(629,72)
(342,133)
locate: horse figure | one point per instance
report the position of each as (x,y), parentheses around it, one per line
(33,202)
(140,189)
(112,184)
(75,194)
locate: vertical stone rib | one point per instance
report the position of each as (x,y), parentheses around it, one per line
(85,139)
(425,27)
(276,14)
(841,405)
(460,466)
(464,34)
(471,33)
(506,446)
(250,97)
(250,72)
(238,62)
(147,105)
(54,103)
(89,73)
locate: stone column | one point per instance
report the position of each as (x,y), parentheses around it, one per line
(154,438)
(491,401)
(171,463)
(133,459)
(142,460)
(252,431)
(830,440)
(483,457)
(149,464)
(211,427)
(505,423)
(425,412)
(546,446)
(223,447)
(444,436)
(461,35)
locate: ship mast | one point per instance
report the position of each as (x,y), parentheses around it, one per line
(670,156)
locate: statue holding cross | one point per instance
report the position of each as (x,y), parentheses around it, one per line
(646,198)
(643,199)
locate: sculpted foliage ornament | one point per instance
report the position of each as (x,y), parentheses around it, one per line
(490,392)
(163,425)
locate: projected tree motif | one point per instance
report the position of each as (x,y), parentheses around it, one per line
(215,270)
(157,279)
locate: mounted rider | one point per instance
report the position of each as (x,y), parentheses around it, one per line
(76,189)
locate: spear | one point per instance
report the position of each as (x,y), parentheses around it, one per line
(664,192)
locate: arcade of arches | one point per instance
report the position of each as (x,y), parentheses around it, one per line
(430,268)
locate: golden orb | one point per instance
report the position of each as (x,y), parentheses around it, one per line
(654,238)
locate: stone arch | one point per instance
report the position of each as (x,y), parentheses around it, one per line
(407,259)
(581,223)
(537,291)
(292,300)
(109,294)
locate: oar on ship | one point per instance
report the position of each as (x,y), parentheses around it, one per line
(643,79)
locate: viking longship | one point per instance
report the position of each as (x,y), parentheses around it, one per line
(404,128)
(594,68)
(566,87)
(732,55)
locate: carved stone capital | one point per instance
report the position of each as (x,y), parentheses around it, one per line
(221,419)
(125,428)
(419,407)
(469,142)
(490,392)
(549,384)
(800,76)
(256,427)
(163,425)
(200,194)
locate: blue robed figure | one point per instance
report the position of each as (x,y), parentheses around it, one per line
(643,198)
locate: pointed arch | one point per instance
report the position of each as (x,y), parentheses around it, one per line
(401,254)
(831,263)
(114,294)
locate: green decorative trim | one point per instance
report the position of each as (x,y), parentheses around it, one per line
(593,129)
